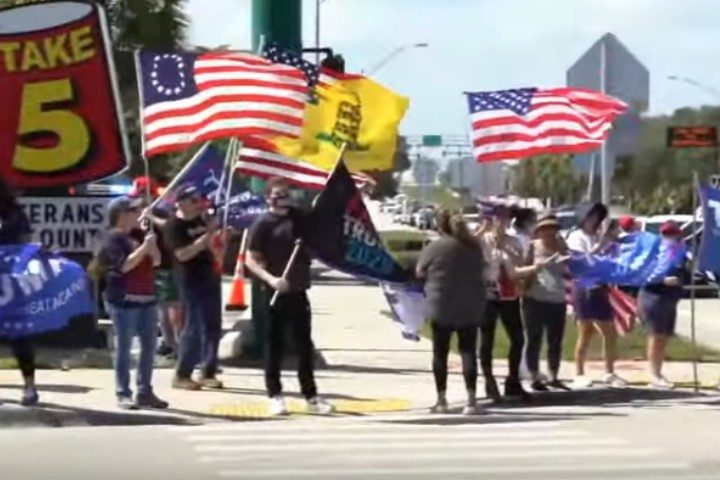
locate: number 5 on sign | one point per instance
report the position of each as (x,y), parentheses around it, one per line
(45,109)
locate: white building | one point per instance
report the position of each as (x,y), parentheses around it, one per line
(478,179)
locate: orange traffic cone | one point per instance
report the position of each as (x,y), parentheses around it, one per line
(237,294)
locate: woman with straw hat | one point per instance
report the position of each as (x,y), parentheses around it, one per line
(544,306)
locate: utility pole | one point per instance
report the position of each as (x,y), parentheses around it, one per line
(278,21)
(605,177)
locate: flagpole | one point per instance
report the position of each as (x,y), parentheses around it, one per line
(693,265)
(235,146)
(288,267)
(604,167)
(173,183)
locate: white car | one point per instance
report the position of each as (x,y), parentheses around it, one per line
(652,224)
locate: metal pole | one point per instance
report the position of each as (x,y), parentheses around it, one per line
(693,266)
(317,30)
(604,168)
(591,177)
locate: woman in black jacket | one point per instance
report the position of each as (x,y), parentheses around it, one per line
(452,268)
(15,229)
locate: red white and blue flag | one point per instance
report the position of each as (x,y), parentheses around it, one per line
(519,123)
(190,98)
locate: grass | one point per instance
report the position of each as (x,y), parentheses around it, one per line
(434,194)
(630,347)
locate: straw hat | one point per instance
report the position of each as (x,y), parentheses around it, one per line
(547,221)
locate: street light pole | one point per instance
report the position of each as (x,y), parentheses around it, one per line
(388,58)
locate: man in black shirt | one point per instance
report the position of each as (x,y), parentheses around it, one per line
(191,237)
(272,240)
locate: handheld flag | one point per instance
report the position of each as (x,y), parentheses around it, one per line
(519,123)
(643,258)
(204,171)
(709,255)
(40,292)
(341,233)
(190,98)
(409,308)
(244,205)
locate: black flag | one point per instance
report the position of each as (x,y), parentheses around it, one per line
(341,233)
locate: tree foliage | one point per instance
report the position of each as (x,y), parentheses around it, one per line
(548,177)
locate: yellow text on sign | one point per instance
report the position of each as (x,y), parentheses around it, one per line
(51,52)
(38,116)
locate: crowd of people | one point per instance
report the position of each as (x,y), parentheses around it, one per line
(516,272)
(162,272)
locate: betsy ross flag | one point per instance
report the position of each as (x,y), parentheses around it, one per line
(519,123)
(190,98)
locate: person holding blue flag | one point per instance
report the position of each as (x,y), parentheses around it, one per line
(658,302)
(15,229)
(592,304)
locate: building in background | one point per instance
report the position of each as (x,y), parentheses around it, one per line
(476,179)
(610,66)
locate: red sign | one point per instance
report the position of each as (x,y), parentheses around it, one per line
(60,120)
(701,136)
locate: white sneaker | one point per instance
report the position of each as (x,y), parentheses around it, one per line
(440,408)
(581,381)
(471,410)
(278,406)
(319,406)
(615,381)
(661,383)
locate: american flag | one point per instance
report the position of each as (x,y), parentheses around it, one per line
(258,160)
(189,98)
(315,75)
(624,306)
(514,124)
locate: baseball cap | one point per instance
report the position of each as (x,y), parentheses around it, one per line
(121,205)
(186,191)
(626,222)
(670,228)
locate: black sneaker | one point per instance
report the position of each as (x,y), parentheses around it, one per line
(539,386)
(30,398)
(164,350)
(491,389)
(150,400)
(559,385)
(515,391)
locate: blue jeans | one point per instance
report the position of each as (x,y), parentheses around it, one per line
(200,338)
(129,322)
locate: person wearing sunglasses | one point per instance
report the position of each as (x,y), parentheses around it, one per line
(130,300)
(271,242)
(191,235)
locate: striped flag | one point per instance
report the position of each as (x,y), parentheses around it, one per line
(515,124)
(190,98)
(624,306)
(257,160)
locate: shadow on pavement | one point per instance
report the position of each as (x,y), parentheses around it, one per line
(489,418)
(375,370)
(55,415)
(262,393)
(55,388)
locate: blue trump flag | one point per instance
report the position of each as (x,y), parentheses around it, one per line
(40,291)
(409,308)
(642,258)
(341,233)
(206,171)
(244,205)
(709,255)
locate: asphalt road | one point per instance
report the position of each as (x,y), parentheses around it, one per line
(655,436)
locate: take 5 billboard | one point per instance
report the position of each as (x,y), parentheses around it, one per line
(60,117)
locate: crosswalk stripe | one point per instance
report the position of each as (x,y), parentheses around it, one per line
(583,468)
(324,425)
(352,437)
(470,454)
(405,445)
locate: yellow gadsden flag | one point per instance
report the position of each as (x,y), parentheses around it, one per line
(353,110)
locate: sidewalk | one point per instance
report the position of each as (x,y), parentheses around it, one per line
(367,368)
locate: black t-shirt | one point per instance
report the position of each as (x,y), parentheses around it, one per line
(198,272)
(166,253)
(273,236)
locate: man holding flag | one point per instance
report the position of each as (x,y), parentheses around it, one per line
(272,240)
(192,237)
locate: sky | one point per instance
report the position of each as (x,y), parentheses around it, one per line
(493,44)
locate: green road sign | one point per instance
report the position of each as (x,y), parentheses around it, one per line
(432,140)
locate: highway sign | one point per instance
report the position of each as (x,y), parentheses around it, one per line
(699,136)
